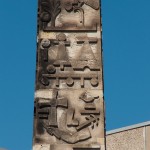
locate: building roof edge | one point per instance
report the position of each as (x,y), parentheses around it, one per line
(128,128)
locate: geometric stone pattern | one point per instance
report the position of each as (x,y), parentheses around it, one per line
(69,104)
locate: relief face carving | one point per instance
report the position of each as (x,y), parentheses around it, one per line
(69,106)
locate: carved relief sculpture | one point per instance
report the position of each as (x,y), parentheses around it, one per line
(69,104)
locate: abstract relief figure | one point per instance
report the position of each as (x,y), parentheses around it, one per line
(69,104)
(57,15)
(46,112)
(55,58)
(89,108)
(49,11)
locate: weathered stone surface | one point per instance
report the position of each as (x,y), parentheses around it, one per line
(133,139)
(69,105)
(147,137)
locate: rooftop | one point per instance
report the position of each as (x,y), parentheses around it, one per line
(128,128)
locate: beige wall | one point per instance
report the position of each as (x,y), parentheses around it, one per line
(131,139)
(147,141)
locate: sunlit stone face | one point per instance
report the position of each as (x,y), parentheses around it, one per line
(69,104)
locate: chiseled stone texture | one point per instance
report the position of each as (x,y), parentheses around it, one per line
(126,140)
(69,103)
(147,142)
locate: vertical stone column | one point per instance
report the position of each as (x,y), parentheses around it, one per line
(69,105)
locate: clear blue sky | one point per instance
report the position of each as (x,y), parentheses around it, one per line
(126,44)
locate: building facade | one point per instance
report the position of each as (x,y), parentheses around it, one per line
(135,137)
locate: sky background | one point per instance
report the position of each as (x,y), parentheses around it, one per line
(126,45)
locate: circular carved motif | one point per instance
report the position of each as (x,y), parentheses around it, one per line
(45,16)
(45,43)
(69,81)
(45,81)
(61,37)
(51,69)
(94,81)
(68,6)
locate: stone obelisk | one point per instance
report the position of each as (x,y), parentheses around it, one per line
(69,104)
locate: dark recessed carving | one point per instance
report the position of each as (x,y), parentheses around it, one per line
(70,138)
(90,107)
(69,77)
(51,69)
(72,28)
(45,43)
(48,108)
(71,122)
(39,127)
(69,81)
(91,120)
(44,81)
(72,4)
(49,11)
